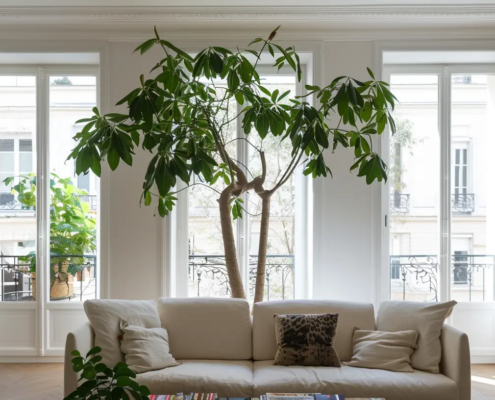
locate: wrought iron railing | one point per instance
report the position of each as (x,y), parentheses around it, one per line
(416,277)
(462,203)
(208,276)
(17,281)
(399,203)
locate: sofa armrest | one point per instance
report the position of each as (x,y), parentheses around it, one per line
(456,359)
(81,339)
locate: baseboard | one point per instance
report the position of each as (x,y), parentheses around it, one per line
(30,359)
(488,359)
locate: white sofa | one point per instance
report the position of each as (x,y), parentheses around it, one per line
(225,349)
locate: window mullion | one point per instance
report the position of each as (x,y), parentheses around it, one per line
(42,214)
(445,182)
(242,227)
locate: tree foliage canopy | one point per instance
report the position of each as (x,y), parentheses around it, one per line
(180,114)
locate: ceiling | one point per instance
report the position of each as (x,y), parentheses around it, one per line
(237,3)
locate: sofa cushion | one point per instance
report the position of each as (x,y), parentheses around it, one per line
(207,328)
(105,317)
(352,315)
(306,339)
(427,319)
(227,378)
(145,349)
(384,350)
(353,382)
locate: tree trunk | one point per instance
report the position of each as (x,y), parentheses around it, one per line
(263,245)
(235,280)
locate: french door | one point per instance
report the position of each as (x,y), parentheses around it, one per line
(439,204)
(46,210)
(439,201)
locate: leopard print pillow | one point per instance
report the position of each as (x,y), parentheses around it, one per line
(306,339)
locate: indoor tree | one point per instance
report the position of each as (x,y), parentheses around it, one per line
(182,115)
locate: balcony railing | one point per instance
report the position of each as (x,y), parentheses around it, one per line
(9,203)
(462,203)
(399,203)
(416,277)
(16,280)
(208,276)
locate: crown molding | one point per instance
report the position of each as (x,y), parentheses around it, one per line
(341,14)
(303,23)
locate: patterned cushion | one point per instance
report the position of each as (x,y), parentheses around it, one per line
(306,339)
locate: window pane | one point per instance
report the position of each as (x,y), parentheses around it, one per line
(17,202)
(207,271)
(414,189)
(7,162)
(25,162)
(73,220)
(281,239)
(473,194)
(7,145)
(25,145)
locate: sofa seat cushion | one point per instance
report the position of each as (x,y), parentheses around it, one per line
(225,377)
(352,382)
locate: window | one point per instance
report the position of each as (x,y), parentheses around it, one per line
(462,200)
(67,266)
(443,125)
(207,275)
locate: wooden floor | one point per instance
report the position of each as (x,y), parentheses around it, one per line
(45,381)
(31,381)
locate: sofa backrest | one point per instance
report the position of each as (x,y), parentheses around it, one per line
(207,328)
(351,316)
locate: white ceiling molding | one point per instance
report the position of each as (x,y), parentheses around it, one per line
(330,22)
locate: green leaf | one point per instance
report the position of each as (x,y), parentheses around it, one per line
(162,210)
(265,91)
(262,125)
(89,372)
(232,80)
(113,159)
(240,98)
(94,350)
(216,63)
(143,48)
(75,353)
(147,198)
(370,73)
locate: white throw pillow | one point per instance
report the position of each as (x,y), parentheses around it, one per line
(383,350)
(105,317)
(425,318)
(145,349)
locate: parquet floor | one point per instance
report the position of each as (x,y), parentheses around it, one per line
(40,381)
(45,381)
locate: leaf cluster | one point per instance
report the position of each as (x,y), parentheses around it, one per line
(181,116)
(102,382)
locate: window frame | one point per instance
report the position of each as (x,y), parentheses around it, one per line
(444,237)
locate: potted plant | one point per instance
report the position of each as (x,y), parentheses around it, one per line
(72,232)
(102,382)
(182,117)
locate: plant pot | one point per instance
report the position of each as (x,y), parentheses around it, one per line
(83,275)
(62,288)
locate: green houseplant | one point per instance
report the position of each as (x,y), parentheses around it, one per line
(71,231)
(102,382)
(182,115)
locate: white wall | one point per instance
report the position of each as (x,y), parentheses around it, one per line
(343,205)
(134,237)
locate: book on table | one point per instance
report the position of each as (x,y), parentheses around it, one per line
(267,396)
